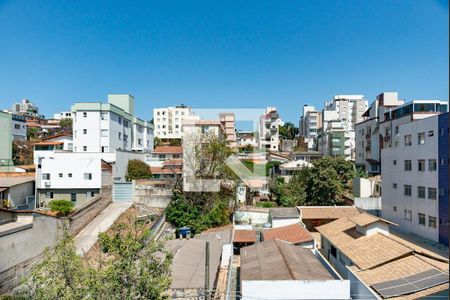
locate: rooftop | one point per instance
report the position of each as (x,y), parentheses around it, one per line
(6,182)
(168,149)
(327,212)
(284,212)
(278,260)
(244,236)
(294,233)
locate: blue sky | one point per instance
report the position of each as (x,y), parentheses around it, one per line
(213,54)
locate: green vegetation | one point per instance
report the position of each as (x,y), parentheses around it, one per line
(175,142)
(131,267)
(288,131)
(32,133)
(22,152)
(63,207)
(251,166)
(322,184)
(157,141)
(264,204)
(199,212)
(65,124)
(137,169)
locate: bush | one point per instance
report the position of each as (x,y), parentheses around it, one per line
(264,204)
(137,169)
(63,207)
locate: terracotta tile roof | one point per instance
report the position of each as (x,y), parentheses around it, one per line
(294,233)
(57,135)
(327,212)
(284,212)
(244,236)
(159,170)
(168,149)
(365,219)
(49,143)
(173,162)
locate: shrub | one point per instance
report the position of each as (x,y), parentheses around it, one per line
(137,169)
(63,207)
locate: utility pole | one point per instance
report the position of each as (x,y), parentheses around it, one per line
(207,270)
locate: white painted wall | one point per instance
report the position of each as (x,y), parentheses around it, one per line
(280,222)
(395,174)
(295,289)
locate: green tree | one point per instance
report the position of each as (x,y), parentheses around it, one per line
(323,187)
(157,141)
(65,124)
(63,207)
(32,132)
(137,169)
(175,142)
(345,169)
(288,131)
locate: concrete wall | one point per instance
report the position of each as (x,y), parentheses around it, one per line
(20,192)
(82,195)
(295,289)
(151,196)
(280,222)
(251,217)
(21,249)
(358,290)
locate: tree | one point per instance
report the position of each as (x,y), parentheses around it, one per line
(345,169)
(157,141)
(63,207)
(133,266)
(32,132)
(175,142)
(137,169)
(66,124)
(22,152)
(288,131)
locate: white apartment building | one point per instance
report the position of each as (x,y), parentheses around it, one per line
(337,135)
(385,114)
(269,130)
(63,115)
(168,121)
(228,123)
(48,146)
(309,124)
(19,128)
(26,108)
(414,171)
(106,127)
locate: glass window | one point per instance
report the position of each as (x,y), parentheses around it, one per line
(394,185)
(60,175)
(120,135)
(73,197)
(46,176)
(408,165)
(421,165)
(421,192)
(104,132)
(424,107)
(432,222)
(421,219)
(84,114)
(88,176)
(408,215)
(408,140)
(431,133)
(70,174)
(432,193)
(394,162)
(407,190)
(120,120)
(432,165)
(421,138)
(84,148)
(84,131)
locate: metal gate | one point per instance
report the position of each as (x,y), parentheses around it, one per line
(123,191)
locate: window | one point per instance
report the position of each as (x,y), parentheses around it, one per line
(120,120)
(46,176)
(432,165)
(84,131)
(432,193)
(70,175)
(394,162)
(395,208)
(408,140)
(407,190)
(87,176)
(125,123)
(120,135)
(90,194)
(73,197)
(125,138)
(333,251)
(441,131)
(60,175)
(140,141)
(104,149)
(431,222)
(84,114)
(431,133)
(442,162)
(407,165)
(104,132)
(104,116)
(421,192)
(84,148)
(421,138)
(408,215)
(16,126)
(394,185)
(421,219)
(421,165)
(49,195)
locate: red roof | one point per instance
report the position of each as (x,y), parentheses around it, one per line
(294,233)
(244,236)
(49,143)
(57,135)
(168,149)
(173,162)
(159,170)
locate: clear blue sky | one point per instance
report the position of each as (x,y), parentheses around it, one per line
(245,54)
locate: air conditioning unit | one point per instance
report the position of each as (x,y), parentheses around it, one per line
(47,184)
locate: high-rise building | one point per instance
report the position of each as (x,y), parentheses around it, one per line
(269,133)
(168,121)
(310,123)
(106,127)
(228,123)
(414,172)
(336,137)
(26,108)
